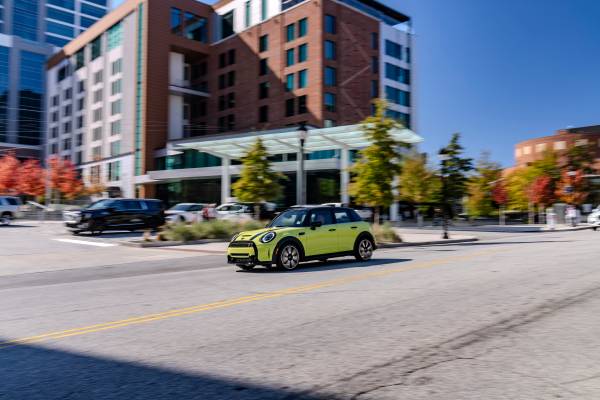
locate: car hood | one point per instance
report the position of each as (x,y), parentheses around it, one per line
(250,235)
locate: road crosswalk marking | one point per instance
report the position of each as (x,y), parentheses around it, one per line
(85,242)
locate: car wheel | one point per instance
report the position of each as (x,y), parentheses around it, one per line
(96,228)
(5,219)
(246,267)
(288,257)
(363,251)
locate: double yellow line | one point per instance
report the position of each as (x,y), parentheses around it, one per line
(231,302)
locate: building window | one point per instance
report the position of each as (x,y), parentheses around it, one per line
(176,21)
(222,60)
(231,78)
(221,103)
(115,148)
(374,88)
(80,86)
(80,59)
(80,122)
(302,27)
(222,81)
(247,14)
(117,66)
(330,76)
(55,116)
(81,104)
(114,171)
(328,123)
(560,145)
(262,67)
(115,87)
(115,36)
(302,79)
(289,107)
(54,148)
(330,50)
(54,132)
(263,43)
(231,100)
(97,77)
(289,57)
(98,96)
(397,96)
(79,140)
(375,65)
(67,127)
(78,158)
(289,82)
(68,94)
(397,74)
(96,47)
(66,144)
(97,133)
(263,9)
(115,127)
(329,100)
(97,114)
(374,40)
(95,170)
(290,32)
(330,24)
(231,57)
(393,49)
(302,52)
(263,114)
(263,90)
(67,110)
(408,55)
(115,107)
(195,28)
(59,29)
(302,105)
(227,24)
(55,100)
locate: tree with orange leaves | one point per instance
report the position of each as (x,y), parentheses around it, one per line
(30,178)
(8,173)
(64,178)
(572,187)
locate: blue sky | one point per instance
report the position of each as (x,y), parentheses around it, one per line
(505,70)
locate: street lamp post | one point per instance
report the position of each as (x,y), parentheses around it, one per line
(443,158)
(302,134)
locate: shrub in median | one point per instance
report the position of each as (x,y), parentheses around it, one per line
(215,229)
(386,233)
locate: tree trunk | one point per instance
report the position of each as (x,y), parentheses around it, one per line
(257,212)
(541,213)
(376,215)
(531,214)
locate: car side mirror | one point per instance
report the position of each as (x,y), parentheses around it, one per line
(315,224)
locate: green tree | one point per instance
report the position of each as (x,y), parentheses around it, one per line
(454,169)
(418,182)
(257,181)
(580,158)
(378,164)
(480,202)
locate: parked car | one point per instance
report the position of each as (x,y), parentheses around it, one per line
(116,214)
(185,212)
(238,210)
(366,213)
(10,208)
(594,218)
(302,234)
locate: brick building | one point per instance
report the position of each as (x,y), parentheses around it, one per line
(155,74)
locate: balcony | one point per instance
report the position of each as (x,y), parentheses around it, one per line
(185,88)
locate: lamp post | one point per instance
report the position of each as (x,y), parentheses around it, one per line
(302,134)
(443,158)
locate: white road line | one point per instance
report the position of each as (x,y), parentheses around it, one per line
(99,244)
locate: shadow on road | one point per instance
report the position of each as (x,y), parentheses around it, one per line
(331,265)
(35,372)
(512,242)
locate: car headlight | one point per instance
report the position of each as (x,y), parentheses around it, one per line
(234,237)
(85,215)
(268,237)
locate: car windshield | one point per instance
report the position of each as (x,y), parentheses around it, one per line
(181,207)
(289,218)
(100,204)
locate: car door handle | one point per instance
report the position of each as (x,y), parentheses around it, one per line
(353,227)
(332,229)
(301,233)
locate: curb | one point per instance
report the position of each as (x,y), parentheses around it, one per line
(428,243)
(142,244)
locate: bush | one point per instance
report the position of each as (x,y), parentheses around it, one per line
(385,233)
(215,229)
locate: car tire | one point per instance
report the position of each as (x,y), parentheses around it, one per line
(595,228)
(246,267)
(96,228)
(363,249)
(288,256)
(6,219)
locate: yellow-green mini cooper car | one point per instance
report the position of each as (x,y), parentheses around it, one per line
(302,234)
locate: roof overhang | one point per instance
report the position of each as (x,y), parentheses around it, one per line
(287,140)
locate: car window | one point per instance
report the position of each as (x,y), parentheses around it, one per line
(132,205)
(153,205)
(195,207)
(12,201)
(2,202)
(342,216)
(290,218)
(323,216)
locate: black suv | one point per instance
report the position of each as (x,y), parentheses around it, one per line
(116,214)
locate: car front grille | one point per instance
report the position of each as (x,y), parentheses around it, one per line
(241,243)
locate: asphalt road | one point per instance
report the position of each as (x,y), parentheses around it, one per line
(514,317)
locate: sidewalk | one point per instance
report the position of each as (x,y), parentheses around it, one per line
(502,228)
